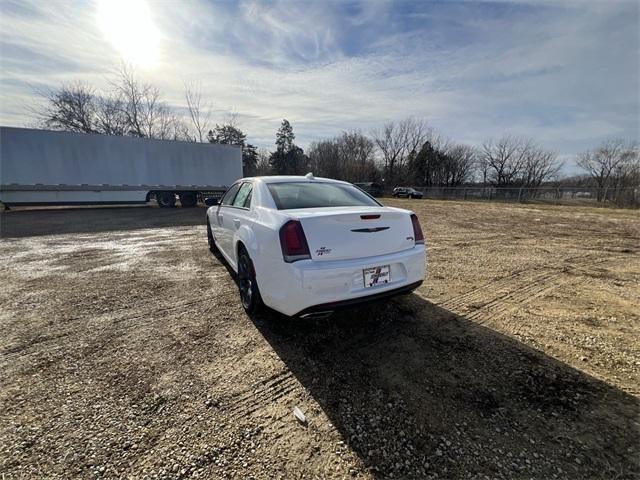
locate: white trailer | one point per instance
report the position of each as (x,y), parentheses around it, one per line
(43,167)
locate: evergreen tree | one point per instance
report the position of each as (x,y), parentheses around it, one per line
(297,161)
(285,137)
(227,134)
(423,165)
(413,169)
(288,159)
(278,162)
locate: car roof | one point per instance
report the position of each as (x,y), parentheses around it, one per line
(294,178)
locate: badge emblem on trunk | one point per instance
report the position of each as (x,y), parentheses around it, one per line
(323,251)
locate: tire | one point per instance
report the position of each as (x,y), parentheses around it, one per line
(247,285)
(188,199)
(210,240)
(166,199)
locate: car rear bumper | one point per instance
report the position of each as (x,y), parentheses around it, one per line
(354,302)
(312,285)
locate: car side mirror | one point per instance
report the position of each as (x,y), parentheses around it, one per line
(211,201)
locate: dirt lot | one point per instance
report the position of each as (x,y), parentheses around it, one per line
(125,353)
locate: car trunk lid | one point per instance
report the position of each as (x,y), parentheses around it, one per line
(341,233)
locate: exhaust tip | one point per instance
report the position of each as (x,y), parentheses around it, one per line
(317,315)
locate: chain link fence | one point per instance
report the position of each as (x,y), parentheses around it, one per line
(621,197)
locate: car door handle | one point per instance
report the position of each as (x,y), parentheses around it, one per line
(236,222)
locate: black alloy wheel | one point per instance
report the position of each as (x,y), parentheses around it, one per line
(210,240)
(249,293)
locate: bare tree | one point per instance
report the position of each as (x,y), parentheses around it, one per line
(396,141)
(127,88)
(517,162)
(391,143)
(540,166)
(130,108)
(199,113)
(231,119)
(504,159)
(142,106)
(416,133)
(155,119)
(263,166)
(357,156)
(71,108)
(349,156)
(109,113)
(627,176)
(613,159)
(325,158)
(461,164)
(180,130)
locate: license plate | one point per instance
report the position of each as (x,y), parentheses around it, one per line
(376,276)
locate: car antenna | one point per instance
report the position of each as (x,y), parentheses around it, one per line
(309,176)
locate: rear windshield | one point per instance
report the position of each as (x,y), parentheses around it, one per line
(313,195)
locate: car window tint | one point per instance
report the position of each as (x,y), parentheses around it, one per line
(230,195)
(243,194)
(314,195)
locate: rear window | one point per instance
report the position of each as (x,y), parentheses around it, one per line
(292,195)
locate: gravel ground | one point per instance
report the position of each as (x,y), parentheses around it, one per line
(126,354)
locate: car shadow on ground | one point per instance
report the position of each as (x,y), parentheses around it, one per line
(18,223)
(415,389)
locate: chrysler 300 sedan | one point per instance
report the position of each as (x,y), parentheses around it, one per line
(307,246)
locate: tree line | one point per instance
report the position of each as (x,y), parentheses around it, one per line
(407,152)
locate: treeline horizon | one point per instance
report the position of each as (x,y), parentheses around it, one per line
(408,152)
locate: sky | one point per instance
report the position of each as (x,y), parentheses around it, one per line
(563,73)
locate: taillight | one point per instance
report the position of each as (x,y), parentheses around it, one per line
(293,242)
(417,230)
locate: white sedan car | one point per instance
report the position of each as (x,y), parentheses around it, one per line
(307,246)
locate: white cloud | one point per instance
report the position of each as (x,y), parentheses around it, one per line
(567,76)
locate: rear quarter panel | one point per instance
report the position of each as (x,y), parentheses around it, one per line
(272,273)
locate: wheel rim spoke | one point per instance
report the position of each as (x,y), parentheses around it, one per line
(245,281)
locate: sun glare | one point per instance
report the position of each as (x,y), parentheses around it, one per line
(128,26)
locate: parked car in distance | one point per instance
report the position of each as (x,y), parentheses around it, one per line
(372,188)
(407,192)
(308,246)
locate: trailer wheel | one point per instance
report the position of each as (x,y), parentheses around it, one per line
(166,199)
(188,199)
